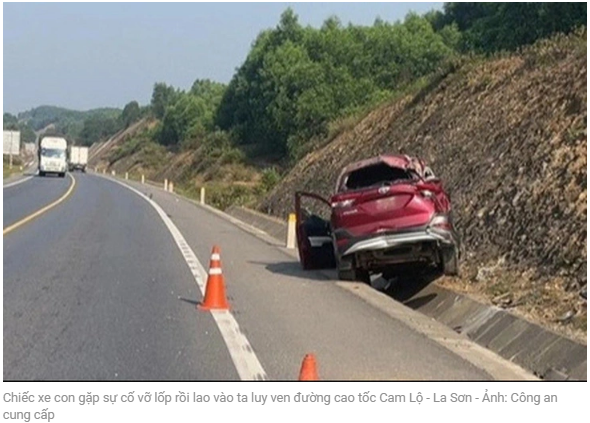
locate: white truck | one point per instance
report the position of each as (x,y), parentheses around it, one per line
(78,158)
(52,155)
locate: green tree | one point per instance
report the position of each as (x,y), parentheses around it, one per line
(27,135)
(10,122)
(162,97)
(489,27)
(98,127)
(131,113)
(296,80)
(191,114)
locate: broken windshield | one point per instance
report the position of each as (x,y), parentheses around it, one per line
(376,175)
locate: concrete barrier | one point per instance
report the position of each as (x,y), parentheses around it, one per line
(273,226)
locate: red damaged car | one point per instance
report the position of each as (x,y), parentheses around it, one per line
(387,212)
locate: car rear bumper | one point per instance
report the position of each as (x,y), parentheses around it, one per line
(391,240)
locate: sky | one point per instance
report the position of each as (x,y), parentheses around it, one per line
(88,55)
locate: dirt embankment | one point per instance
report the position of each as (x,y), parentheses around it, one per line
(508,137)
(223,169)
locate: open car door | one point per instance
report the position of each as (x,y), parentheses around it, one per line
(314,235)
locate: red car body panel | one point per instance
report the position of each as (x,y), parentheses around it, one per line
(383,207)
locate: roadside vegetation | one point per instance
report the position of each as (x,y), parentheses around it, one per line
(299,87)
(507,134)
(81,128)
(7,172)
(11,123)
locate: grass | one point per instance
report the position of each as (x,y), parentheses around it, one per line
(7,171)
(222,195)
(549,51)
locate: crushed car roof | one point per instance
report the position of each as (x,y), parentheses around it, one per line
(394,160)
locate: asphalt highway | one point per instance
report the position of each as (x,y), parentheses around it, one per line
(97,288)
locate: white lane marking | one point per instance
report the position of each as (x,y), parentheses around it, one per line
(240,350)
(20,181)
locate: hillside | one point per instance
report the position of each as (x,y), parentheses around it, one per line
(508,137)
(80,127)
(506,133)
(214,163)
(40,117)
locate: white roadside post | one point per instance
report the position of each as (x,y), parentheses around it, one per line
(165,184)
(143,179)
(291,224)
(126,175)
(114,172)
(202,195)
(171,186)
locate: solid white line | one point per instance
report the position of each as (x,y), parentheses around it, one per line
(247,364)
(20,181)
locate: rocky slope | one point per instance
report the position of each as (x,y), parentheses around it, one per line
(508,137)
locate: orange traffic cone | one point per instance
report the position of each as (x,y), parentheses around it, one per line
(309,370)
(215,290)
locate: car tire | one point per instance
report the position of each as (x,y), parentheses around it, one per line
(450,261)
(305,262)
(41,173)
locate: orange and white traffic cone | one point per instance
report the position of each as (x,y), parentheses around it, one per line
(215,298)
(309,369)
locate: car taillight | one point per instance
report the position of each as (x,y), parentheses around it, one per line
(440,221)
(343,203)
